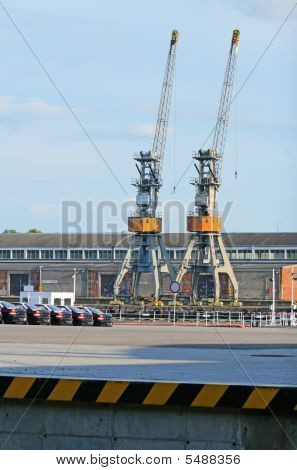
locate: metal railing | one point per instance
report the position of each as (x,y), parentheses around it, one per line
(209,319)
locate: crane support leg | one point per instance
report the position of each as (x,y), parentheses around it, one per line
(123,271)
(135,285)
(185,264)
(214,268)
(227,268)
(195,282)
(167,265)
(155,270)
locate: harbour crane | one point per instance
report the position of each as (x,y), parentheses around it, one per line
(205,257)
(145,224)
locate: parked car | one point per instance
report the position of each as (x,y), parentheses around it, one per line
(100,318)
(1,318)
(59,315)
(81,316)
(12,313)
(35,315)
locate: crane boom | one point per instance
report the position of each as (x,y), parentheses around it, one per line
(150,162)
(163,113)
(219,138)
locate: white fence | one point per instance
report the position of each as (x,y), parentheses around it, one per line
(213,318)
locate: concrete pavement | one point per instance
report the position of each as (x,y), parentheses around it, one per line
(142,352)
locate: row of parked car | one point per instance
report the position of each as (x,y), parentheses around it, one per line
(23,313)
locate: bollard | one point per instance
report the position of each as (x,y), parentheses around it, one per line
(154,316)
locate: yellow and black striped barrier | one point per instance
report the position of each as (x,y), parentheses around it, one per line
(150,393)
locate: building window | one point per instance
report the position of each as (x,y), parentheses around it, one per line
(91,254)
(4,254)
(180,254)
(170,254)
(120,254)
(18,254)
(76,254)
(47,254)
(232,254)
(61,254)
(292,254)
(105,254)
(244,254)
(33,254)
(277,254)
(261,254)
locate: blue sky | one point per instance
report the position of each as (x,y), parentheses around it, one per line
(108,59)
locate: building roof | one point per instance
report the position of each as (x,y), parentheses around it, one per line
(101,240)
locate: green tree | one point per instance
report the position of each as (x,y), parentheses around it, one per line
(34,230)
(10,230)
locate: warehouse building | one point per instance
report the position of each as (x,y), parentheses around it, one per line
(92,261)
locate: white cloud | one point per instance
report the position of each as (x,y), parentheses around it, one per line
(12,107)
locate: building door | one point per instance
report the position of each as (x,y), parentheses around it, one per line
(17,283)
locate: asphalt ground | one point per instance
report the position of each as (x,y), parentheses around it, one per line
(266,356)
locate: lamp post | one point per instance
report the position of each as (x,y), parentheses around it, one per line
(40,278)
(74,283)
(273,298)
(75,271)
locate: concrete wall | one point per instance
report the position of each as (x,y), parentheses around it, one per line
(54,425)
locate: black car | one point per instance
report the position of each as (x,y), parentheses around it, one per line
(59,315)
(12,313)
(100,318)
(1,319)
(35,315)
(81,316)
